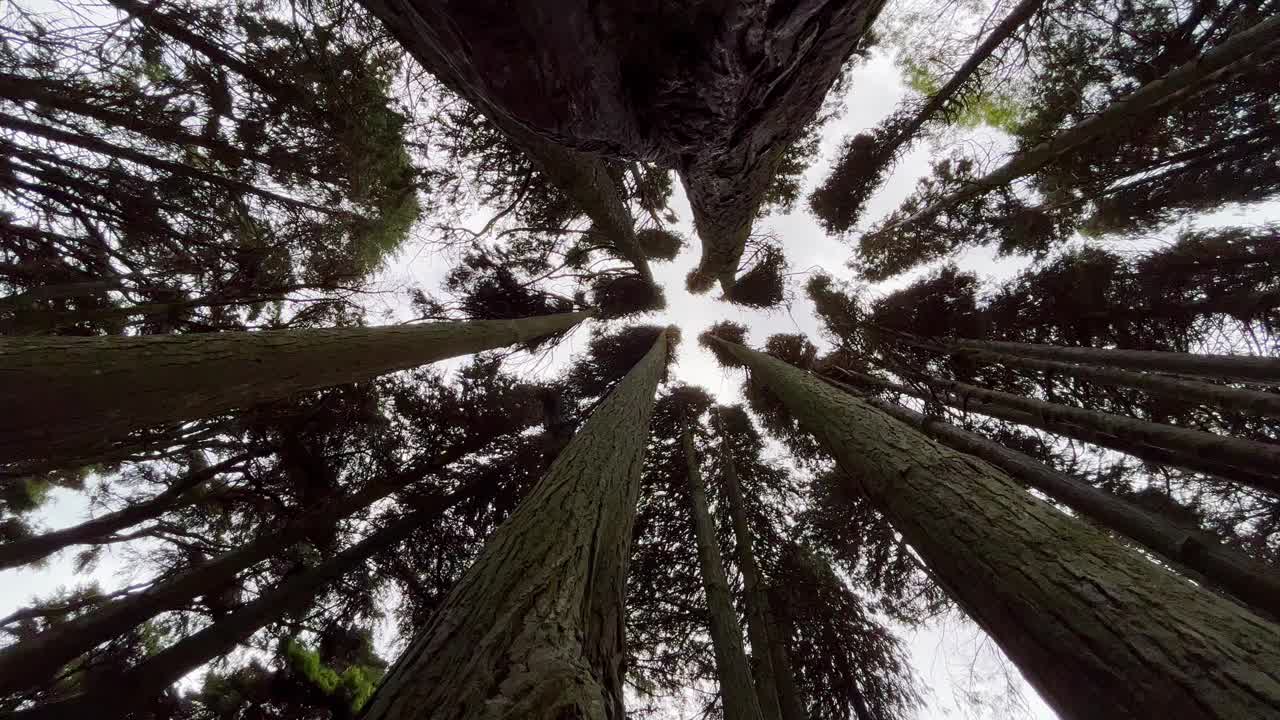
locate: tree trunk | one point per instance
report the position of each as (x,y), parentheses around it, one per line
(1177,86)
(757,600)
(1249,402)
(32,549)
(1091,623)
(1052,424)
(1252,582)
(1262,458)
(779,629)
(147,680)
(75,395)
(35,660)
(716,92)
(534,628)
(1231,367)
(737,693)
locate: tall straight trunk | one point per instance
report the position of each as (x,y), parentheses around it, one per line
(1249,402)
(779,629)
(1262,458)
(1177,86)
(1173,457)
(75,395)
(1230,367)
(1252,582)
(737,692)
(35,660)
(35,548)
(1090,623)
(757,600)
(156,673)
(534,628)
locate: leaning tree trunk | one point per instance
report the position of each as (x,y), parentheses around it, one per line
(1249,402)
(1250,581)
(535,627)
(757,600)
(150,678)
(36,659)
(1173,457)
(1230,367)
(71,396)
(1091,623)
(1177,86)
(737,692)
(35,548)
(716,92)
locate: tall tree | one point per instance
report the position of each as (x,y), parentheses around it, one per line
(934,503)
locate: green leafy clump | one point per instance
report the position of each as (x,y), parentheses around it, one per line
(353,686)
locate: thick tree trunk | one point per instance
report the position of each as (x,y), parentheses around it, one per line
(32,549)
(158,672)
(76,395)
(35,660)
(1231,367)
(1252,582)
(1091,623)
(714,92)
(534,628)
(757,600)
(1179,85)
(737,692)
(1249,402)
(1262,458)
(1179,457)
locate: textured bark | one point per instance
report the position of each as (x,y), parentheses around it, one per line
(1232,367)
(1249,402)
(154,675)
(32,549)
(1179,85)
(737,692)
(1250,581)
(76,395)
(35,660)
(1262,458)
(1173,457)
(757,600)
(1091,623)
(714,91)
(534,628)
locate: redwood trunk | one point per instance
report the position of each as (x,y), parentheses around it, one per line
(32,549)
(1089,622)
(1232,367)
(1252,582)
(534,628)
(757,600)
(737,692)
(68,396)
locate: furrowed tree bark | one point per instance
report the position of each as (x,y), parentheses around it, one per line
(1252,582)
(1151,453)
(32,549)
(534,628)
(1262,458)
(1230,367)
(716,93)
(737,691)
(1177,86)
(76,395)
(757,600)
(1249,402)
(1091,623)
(158,672)
(32,661)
